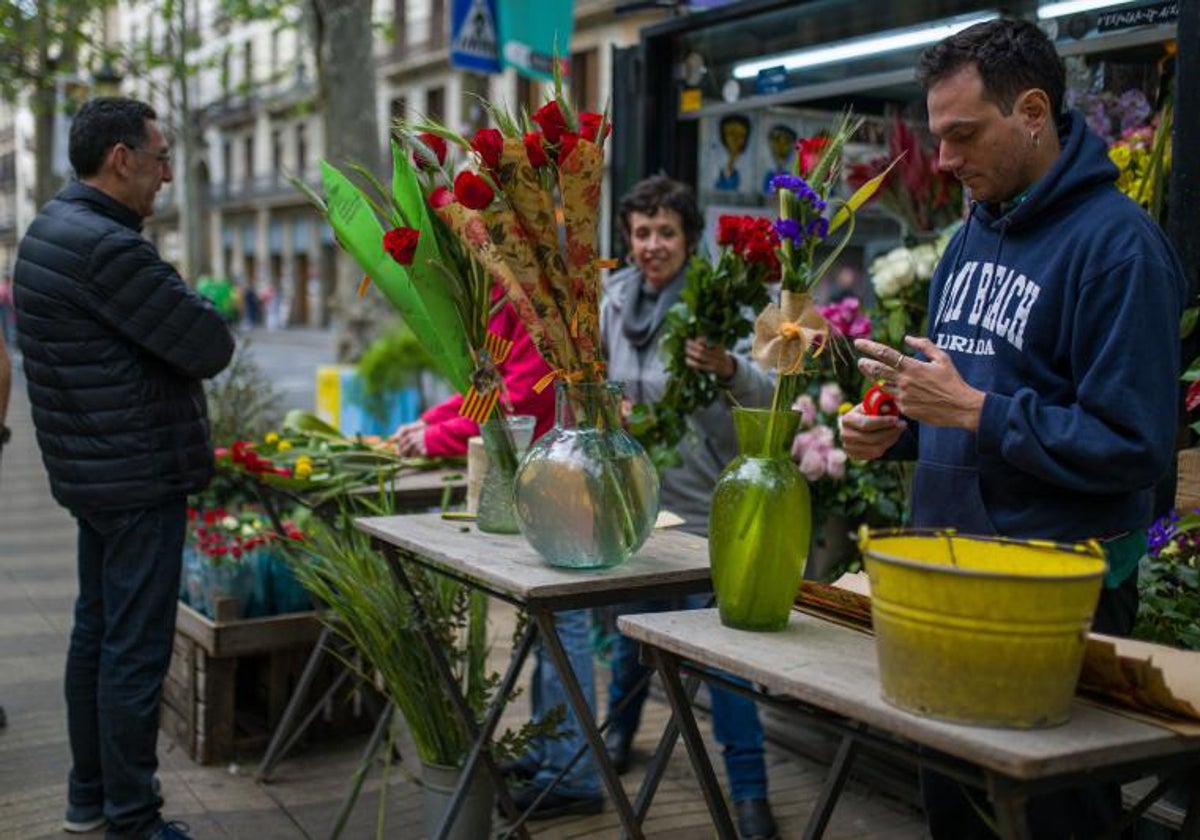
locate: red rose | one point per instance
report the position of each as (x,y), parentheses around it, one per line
(488,142)
(729,230)
(1192,400)
(589,125)
(535,148)
(551,121)
(440,197)
(436,145)
(401,243)
(879,403)
(566,145)
(473,191)
(811,149)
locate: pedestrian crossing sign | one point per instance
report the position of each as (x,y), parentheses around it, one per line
(474,43)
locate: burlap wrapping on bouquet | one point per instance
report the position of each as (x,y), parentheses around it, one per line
(784,334)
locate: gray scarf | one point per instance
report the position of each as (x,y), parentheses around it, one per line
(645,306)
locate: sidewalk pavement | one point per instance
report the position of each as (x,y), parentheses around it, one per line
(37,591)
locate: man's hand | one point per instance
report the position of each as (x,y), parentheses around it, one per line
(711,358)
(930,392)
(410,439)
(866,437)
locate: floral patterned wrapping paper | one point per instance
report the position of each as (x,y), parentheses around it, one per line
(580,176)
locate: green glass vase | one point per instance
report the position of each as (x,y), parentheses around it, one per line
(505,439)
(760,524)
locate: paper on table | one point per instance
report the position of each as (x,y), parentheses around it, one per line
(1155,679)
(666,519)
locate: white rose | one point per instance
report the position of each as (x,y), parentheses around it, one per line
(885,284)
(924,258)
(901,263)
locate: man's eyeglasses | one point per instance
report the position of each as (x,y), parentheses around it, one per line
(164,158)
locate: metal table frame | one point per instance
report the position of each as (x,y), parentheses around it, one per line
(541,610)
(1007,793)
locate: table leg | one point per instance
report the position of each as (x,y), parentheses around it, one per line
(681,707)
(662,755)
(1190,830)
(1009,803)
(545,622)
(465,715)
(285,732)
(360,774)
(838,773)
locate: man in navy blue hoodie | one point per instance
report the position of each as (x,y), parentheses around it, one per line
(1043,403)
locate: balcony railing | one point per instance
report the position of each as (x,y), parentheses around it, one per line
(268,186)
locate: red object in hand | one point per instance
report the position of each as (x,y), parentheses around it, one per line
(879,403)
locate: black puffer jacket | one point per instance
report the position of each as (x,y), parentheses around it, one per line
(115,346)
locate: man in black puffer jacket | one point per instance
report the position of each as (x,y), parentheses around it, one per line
(115,348)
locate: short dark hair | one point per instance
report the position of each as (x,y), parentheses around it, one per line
(1012,56)
(102,123)
(657,192)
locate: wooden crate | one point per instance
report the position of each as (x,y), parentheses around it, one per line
(230,680)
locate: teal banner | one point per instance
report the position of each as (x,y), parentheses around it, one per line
(532,32)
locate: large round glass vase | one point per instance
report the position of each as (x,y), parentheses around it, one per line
(587,493)
(760,524)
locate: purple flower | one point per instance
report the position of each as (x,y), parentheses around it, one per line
(789,229)
(792,183)
(818,228)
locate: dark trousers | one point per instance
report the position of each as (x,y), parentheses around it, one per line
(129,565)
(1090,811)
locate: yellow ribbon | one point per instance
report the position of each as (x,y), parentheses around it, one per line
(783,334)
(595,369)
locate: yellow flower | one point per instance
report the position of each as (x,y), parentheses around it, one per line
(1120,155)
(285,445)
(271,438)
(303,469)
(844,407)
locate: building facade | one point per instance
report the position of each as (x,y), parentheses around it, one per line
(254,125)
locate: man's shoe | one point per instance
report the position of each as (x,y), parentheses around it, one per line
(754,820)
(81,822)
(553,804)
(619,746)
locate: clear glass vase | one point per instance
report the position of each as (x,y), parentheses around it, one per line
(760,525)
(587,493)
(505,439)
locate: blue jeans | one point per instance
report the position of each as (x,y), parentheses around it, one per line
(735,718)
(129,566)
(553,754)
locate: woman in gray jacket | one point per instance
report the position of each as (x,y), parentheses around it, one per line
(662,226)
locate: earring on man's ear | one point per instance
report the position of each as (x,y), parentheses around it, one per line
(1034,137)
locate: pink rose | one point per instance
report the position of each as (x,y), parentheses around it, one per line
(813,464)
(835,464)
(807,409)
(831,397)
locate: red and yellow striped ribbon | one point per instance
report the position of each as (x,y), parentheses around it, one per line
(477,406)
(497,346)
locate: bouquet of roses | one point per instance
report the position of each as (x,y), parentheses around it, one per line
(502,209)
(712,305)
(900,279)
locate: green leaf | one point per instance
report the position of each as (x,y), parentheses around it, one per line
(358,230)
(861,196)
(1187,323)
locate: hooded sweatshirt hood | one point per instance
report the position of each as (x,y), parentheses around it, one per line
(1065,311)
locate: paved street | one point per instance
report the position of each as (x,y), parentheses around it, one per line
(37,588)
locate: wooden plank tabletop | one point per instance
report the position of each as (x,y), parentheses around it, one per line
(834,668)
(506,564)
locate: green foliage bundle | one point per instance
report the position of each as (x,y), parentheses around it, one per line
(713,305)
(368,608)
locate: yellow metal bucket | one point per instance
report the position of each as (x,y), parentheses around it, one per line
(979,630)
